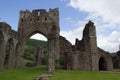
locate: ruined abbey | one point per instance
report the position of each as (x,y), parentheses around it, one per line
(84,55)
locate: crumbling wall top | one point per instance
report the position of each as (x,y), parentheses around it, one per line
(89,29)
(37,12)
(65,45)
(90,24)
(4,26)
(79,45)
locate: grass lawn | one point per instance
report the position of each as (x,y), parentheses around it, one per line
(22,73)
(30,73)
(85,75)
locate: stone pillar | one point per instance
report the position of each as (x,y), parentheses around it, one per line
(35,54)
(57,53)
(90,41)
(57,49)
(19,56)
(38,54)
(51,56)
(11,61)
(2,55)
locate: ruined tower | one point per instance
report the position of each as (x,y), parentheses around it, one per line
(90,44)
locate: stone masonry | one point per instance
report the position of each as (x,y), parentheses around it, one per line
(7,35)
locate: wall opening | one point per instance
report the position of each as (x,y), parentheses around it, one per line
(102,64)
(7,52)
(38,13)
(22,20)
(35,52)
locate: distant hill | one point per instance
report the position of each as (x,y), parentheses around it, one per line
(34,43)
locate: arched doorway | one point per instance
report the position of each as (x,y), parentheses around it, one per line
(7,52)
(35,52)
(102,64)
(9,56)
(50,47)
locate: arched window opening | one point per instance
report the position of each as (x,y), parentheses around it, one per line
(53,28)
(39,13)
(36,51)
(38,20)
(46,20)
(31,21)
(102,64)
(22,20)
(7,53)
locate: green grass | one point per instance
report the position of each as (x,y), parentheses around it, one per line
(85,75)
(29,73)
(22,73)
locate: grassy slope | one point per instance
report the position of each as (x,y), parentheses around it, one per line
(22,73)
(25,73)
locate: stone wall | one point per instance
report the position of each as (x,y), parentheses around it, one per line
(81,61)
(7,35)
(65,52)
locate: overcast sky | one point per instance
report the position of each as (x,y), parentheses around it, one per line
(74,14)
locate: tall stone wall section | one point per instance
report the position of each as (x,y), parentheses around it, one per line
(65,52)
(86,50)
(7,35)
(90,42)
